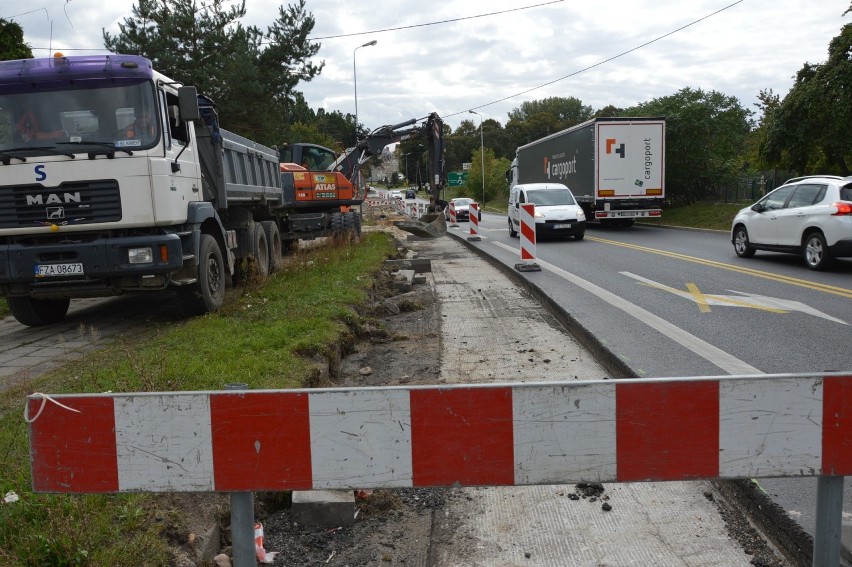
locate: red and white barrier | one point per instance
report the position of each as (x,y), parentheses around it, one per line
(471,435)
(452,209)
(473,217)
(527,231)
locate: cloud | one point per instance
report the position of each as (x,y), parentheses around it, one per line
(471,63)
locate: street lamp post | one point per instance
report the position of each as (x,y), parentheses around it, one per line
(355,81)
(406,168)
(481,153)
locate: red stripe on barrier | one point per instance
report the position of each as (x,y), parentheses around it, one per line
(469,441)
(526,255)
(83,462)
(270,450)
(667,431)
(473,218)
(528,232)
(837,426)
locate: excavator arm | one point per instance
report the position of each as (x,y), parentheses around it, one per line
(349,163)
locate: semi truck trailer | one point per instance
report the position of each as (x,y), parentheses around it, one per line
(615,167)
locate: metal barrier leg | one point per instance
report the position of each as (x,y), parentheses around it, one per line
(829,519)
(242,518)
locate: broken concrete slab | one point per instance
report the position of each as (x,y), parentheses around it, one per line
(403,280)
(324,508)
(419,265)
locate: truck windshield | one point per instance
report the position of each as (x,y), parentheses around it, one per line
(44,118)
(551,197)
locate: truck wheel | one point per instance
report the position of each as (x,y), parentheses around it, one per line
(351,225)
(512,232)
(273,241)
(336,223)
(207,294)
(37,312)
(260,251)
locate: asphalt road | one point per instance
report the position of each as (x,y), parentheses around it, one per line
(680,303)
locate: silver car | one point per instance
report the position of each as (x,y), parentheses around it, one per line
(811,216)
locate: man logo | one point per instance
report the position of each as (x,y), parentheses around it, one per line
(55,213)
(54,198)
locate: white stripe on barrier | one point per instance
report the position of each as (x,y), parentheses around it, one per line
(502,434)
(527,232)
(473,222)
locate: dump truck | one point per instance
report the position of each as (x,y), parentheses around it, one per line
(615,167)
(117,179)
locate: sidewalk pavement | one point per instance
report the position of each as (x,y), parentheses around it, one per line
(494,331)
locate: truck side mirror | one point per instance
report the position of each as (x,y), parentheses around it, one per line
(188,104)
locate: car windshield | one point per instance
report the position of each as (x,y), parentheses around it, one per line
(549,197)
(462,202)
(40,118)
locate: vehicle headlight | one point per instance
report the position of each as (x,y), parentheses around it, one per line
(140,255)
(581,214)
(539,215)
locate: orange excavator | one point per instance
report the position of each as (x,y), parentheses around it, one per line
(318,182)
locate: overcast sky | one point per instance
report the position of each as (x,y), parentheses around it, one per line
(492,63)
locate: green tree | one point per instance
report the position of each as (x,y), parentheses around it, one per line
(808,131)
(460,145)
(498,139)
(609,111)
(567,111)
(705,139)
(536,119)
(310,134)
(250,74)
(12,44)
(339,126)
(767,105)
(495,178)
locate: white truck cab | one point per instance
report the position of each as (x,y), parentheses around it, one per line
(557,212)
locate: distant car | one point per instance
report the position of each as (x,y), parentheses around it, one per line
(395,195)
(411,194)
(461,205)
(811,216)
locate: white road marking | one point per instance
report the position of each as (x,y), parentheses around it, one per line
(715,355)
(743,299)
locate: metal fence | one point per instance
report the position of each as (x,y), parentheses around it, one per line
(752,187)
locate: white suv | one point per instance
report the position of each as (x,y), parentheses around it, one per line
(811,216)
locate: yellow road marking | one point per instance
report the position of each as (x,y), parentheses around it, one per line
(718,298)
(834,290)
(700,300)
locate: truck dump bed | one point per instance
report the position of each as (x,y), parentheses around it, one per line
(235,170)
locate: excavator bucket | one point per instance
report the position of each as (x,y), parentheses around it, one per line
(430,225)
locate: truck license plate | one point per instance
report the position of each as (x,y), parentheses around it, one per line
(47,270)
(567,225)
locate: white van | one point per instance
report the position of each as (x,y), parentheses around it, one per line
(557,212)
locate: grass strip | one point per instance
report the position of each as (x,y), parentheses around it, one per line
(266,336)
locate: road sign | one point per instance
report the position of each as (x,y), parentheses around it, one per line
(456,178)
